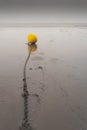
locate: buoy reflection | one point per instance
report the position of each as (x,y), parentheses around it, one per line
(32,48)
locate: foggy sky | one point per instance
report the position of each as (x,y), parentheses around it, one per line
(43,10)
(43,2)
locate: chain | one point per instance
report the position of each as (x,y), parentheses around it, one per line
(25,124)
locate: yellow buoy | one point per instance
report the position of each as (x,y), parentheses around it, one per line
(32,39)
(32,48)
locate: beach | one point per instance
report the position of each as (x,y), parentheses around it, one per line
(56,78)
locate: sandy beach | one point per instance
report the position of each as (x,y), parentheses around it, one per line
(56,78)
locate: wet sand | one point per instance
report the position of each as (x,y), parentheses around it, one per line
(56,78)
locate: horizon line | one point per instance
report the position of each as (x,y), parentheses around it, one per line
(47,24)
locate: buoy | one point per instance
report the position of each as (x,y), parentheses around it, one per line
(32,48)
(32,39)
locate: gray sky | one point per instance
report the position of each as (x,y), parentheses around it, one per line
(43,10)
(42,2)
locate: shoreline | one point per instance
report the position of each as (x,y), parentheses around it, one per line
(24,25)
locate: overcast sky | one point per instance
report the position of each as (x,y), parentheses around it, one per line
(42,2)
(43,11)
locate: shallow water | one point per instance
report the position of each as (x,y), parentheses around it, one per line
(56,78)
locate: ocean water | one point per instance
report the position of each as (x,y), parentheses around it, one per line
(56,78)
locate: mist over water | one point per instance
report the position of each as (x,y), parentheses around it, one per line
(54,11)
(43,15)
